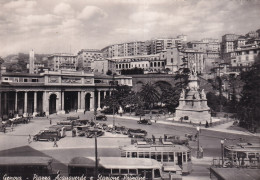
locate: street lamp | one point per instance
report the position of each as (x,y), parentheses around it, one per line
(222,141)
(198,148)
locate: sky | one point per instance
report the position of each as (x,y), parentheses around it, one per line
(67,26)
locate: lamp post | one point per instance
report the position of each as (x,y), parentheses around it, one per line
(96,157)
(113,101)
(198,148)
(222,151)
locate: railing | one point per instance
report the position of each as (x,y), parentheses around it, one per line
(253,163)
(223,121)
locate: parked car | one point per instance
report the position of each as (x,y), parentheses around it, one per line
(91,133)
(108,111)
(67,124)
(48,135)
(101,117)
(176,139)
(145,121)
(137,133)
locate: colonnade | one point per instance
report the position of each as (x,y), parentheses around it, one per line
(40,101)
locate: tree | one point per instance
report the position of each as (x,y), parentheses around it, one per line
(249,105)
(149,95)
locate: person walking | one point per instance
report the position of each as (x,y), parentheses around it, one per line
(55,143)
(50,121)
(12,127)
(29,139)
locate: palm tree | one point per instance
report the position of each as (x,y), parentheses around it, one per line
(149,94)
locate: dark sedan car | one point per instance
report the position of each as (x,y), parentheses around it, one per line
(101,117)
(91,133)
(145,121)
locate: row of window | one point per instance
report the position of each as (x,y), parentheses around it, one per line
(22,79)
(159,156)
(152,64)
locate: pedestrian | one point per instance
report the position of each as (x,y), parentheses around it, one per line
(12,127)
(4,129)
(50,121)
(29,139)
(153,139)
(160,139)
(55,143)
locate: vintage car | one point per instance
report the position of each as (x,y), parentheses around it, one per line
(136,133)
(48,135)
(101,117)
(176,139)
(91,133)
(145,121)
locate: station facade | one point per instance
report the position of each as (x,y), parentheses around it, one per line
(55,91)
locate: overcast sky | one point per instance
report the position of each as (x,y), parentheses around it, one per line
(55,26)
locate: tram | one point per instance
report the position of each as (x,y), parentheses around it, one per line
(167,153)
(116,168)
(245,154)
(24,167)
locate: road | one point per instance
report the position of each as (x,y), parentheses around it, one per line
(70,147)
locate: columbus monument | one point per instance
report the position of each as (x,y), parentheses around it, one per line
(193,102)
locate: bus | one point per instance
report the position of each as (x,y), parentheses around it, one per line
(24,167)
(243,154)
(116,168)
(167,153)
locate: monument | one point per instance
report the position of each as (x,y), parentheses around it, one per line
(193,103)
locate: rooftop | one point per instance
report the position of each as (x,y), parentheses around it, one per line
(116,162)
(155,148)
(236,173)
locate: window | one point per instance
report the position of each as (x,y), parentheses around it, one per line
(115,171)
(35,80)
(165,157)
(132,171)
(171,157)
(134,154)
(141,155)
(6,79)
(171,60)
(25,80)
(157,173)
(124,171)
(16,79)
(184,157)
(188,156)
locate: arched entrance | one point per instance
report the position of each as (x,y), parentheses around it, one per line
(87,102)
(70,101)
(52,103)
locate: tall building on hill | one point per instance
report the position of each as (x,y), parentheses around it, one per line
(62,62)
(134,48)
(87,57)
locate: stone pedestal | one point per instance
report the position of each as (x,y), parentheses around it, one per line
(193,103)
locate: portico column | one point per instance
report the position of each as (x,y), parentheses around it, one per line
(46,103)
(80,108)
(25,104)
(105,94)
(99,108)
(62,102)
(58,102)
(92,97)
(15,103)
(35,103)
(83,100)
